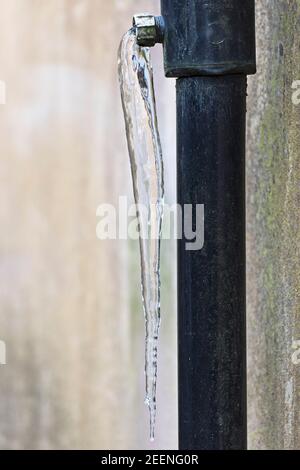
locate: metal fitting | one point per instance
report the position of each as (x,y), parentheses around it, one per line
(149,29)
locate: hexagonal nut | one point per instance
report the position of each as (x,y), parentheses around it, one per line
(146,31)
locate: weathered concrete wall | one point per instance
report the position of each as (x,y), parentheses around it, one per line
(274,230)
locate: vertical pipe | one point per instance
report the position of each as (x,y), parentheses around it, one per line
(210,48)
(211,281)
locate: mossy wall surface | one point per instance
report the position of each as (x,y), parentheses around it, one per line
(273,230)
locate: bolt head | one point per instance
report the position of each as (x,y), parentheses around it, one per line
(146,31)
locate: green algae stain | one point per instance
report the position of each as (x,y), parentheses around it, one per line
(277,228)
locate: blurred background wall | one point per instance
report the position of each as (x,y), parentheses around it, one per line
(70,306)
(71,313)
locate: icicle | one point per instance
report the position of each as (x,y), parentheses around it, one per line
(138,98)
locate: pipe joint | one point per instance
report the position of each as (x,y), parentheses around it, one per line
(215,37)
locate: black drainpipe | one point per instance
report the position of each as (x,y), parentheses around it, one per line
(209,45)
